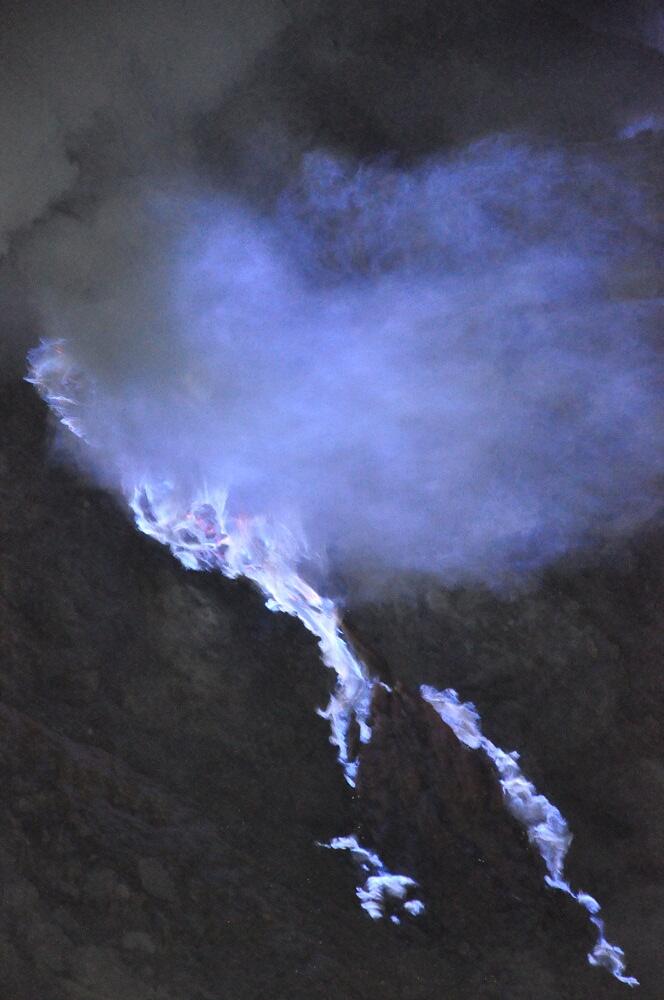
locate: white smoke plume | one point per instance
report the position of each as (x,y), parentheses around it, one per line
(447,367)
(442,368)
(429,370)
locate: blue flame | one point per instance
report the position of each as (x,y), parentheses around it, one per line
(444,369)
(460,380)
(546,828)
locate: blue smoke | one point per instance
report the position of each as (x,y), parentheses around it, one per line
(440,369)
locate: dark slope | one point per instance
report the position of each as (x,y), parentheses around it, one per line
(164,773)
(166,777)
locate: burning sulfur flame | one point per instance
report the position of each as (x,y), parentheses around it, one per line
(202,535)
(381,887)
(546,828)
(203,538)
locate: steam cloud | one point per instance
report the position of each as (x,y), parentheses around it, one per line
(438,368)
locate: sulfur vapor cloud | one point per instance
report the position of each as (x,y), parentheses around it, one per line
(441,367)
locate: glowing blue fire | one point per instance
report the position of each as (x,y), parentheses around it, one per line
(546,828)
(381,887)
(202,535)
(204,539)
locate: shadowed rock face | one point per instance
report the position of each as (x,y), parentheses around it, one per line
(423,793)
(165,779)
(434,808)
(568,673)
(164,775)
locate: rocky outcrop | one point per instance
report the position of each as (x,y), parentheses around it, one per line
(434,807)
(165,777)
(568,672)
(165,780)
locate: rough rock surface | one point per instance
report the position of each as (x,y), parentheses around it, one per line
(570,674)
(165,776)
(434,808)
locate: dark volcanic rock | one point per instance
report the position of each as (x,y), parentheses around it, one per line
(569,674)
(165,779)
(433,807)
(422,792)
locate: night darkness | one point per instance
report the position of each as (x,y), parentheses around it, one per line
(330,500)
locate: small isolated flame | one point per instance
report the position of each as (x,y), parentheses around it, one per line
(202,535)
(381,887)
